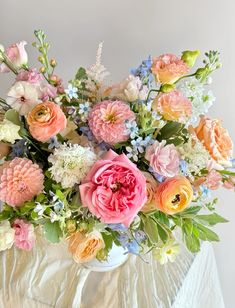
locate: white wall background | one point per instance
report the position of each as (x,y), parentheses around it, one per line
(131,30)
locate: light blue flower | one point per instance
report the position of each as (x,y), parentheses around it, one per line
(53,217)
(84,108)
(39,209)
(144,71)
(132,128)
(71,91)
(58,206)
(132,153)
(148,141)
(117,227)
(133,247)
(53,143)
(138,144)
(123,239)
(206,193)
(183,166)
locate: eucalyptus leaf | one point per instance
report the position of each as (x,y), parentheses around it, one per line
(13,116)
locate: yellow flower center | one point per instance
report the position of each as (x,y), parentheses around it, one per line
(42,115)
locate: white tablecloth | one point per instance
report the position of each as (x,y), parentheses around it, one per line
(48,277)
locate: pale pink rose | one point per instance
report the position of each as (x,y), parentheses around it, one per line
(24,234)
(164,159)
(20,181)
(107,121)
(229,183)
(46,120)
(23,97)
(114,190)
(213,180)
(17,55)
(173,106)
(168,68)
(32,76)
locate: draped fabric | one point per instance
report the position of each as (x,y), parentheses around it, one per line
(47,276)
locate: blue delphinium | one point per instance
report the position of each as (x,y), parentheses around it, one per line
(144,71)
(117,227)
(20,149)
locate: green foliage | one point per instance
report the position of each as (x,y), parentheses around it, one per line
(52,231)
(170,130)
(13,116)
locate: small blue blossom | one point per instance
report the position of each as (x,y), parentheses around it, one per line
(206,193)
(84,108)
(53,217)
(87,132)
(157,176)
(183,166)
(132,128)
(71,91)
(53,143)
(144,71)
(39,209)
(58,206)
(19,149)
(132,153)
(133,247)
(104,146)
(138,144)
(148,141)
(117,227)
(123,239)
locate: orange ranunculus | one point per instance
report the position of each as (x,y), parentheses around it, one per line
(84,247)
(174,195)
(215,139)
(45,121)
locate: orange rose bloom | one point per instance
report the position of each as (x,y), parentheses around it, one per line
(174,195)
(45,121)
(84,247)
(215,139)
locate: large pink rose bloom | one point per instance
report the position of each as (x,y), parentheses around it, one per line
(164,159)
(20,181)
(107,121)
(17,55)
(114,190)
(168,68)
(24,234)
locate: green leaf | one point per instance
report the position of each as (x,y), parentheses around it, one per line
(211,219)
(28,206)
(190,211)
(192,242)
(13,116)
(81,74)
(169,130)
(151,229)
(206,234)
(108,240)
(52,231)
(163,234)
(5,215)
(40,198)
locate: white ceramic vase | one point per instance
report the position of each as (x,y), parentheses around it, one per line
(115,259)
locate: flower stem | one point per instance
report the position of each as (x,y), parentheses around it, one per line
(152,90)
(8,63)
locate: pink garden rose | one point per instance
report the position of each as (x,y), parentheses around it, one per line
(213,180)
(24,234)
(17,55)
(173,106)
(114,190)
(168,68)
(20,181)
(107,121)
(164,159)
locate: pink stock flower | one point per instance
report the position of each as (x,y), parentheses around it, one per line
(24,234)
(107,121)
(114,190)
(17,55)
(47,92)
(168,68)
(31,76)
(20,181)
(164,159)
(173,106)
(213,180)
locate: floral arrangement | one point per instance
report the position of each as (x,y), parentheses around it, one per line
(98,164)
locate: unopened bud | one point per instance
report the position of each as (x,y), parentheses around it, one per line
(71,225)
(190,57)
(166,88)
(42,70)
(41,59)
(53,63)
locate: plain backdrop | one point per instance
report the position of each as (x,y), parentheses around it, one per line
(131,30)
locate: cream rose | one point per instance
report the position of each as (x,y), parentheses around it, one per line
(84,247)
(6,235)
(9,132)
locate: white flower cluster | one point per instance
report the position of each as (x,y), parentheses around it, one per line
(9,132)
(70,164)
(6,235)
(201,101)
(195,155)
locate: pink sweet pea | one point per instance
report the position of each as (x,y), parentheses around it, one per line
(24,234)
(17,54)
(114,190)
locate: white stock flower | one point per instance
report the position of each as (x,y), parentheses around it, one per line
(9,132)
(70,164)
(6,235)
(23,97)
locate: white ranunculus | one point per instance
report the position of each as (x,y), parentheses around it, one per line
(6,235)
(9,132)
(23,97)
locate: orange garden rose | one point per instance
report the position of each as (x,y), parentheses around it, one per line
(215,139)
(151,186)
(46,120)
(84,247)
(174,195)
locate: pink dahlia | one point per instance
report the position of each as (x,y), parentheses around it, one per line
(20,181)
(107,121)
(114,190)
(24,234)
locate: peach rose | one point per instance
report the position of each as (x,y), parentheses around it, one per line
(168,68)
(84,247)
(46,120)
(151,186)
(215,139)
(173,106)
(174,195)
